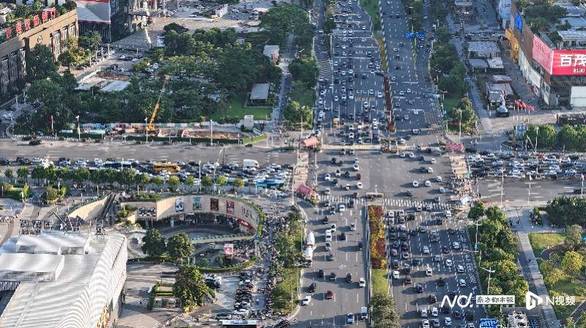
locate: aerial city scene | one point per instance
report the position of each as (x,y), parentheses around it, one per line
(292,163)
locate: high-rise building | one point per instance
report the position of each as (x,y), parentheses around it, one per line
(48,27)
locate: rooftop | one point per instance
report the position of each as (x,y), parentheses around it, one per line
(483,48)
(260,91)
(23,267)
(270,50)
(74,298)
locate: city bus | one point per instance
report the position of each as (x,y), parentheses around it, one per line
(169,167)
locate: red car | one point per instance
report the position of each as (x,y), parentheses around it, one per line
(330,295)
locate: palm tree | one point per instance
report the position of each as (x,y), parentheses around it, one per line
(190,287)
(38,173)
(22,174)
(9,174)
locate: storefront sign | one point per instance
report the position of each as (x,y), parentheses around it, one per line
(542,54)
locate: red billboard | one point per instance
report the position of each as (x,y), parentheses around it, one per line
(542,54)
(557,61)
(569,62)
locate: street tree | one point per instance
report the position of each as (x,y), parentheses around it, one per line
(39,63)
(572,262)
(190,182)
(477,211)
(295,114)
(22,174)
(173,182)
(157,181)
(142,180)
(9,174)
(221,180)
(90,41)
(206,181)
(553,276)
(190,288)
(238,183)
(153,243)
(573,239)
(179,247)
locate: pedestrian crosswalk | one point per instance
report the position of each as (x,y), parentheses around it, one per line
(388,202)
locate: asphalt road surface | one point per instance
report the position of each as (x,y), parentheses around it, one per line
(156,152)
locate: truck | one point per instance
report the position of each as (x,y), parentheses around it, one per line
(250,164)
(310,239)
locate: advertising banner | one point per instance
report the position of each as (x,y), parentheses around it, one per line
(179,208)
(542,54)
(558,61)
(569,62)
(214,204)
(196,203)
(230,207)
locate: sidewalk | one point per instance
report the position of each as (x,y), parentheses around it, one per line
(528,261)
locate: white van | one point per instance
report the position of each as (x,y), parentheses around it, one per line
(363,313)
(248,164)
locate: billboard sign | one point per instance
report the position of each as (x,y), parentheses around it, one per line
(558,61)
(488,323)
(542,54)
(569,62)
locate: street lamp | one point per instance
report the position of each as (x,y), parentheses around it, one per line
(490,271)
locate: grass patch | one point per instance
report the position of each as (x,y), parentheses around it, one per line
(380,283)
(285,292)
(542,241)
(254,139)
(371,7)
(300,93)
(236,110)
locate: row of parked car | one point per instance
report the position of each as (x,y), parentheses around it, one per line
(526,165)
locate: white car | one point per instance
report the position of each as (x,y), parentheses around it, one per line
(448,321)
(439,179)
(328,177)
(462,283)
(356,167)
(379,94)
(425,250)
(456,245)
(359,185)
(362,283)
(396,274)
(415,183)
(427,183)
(443,190)
(350,318)
(428,271)
(425,324)
(306,300)
(341,208)
(434,312)
(449,263)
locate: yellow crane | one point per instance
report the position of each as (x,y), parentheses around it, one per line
(150,127)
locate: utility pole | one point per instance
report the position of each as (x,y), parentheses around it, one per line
(78,129)
(490,271)
(502,187)
(146,131)
(211,133)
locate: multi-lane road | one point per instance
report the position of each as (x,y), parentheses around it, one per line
(415,104)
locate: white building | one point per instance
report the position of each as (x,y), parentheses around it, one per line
(60,279)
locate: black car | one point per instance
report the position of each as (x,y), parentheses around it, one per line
(395,264)
(407,280)
(325,220)
(343,236)
(4,162)
(432,299)
(416,261)
(349,277)
(360,245)
(445,249)
(332,276)
(441,282)
(312,288)
(320,274)
(419,288)
(446,309)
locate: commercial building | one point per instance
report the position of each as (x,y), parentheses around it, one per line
(552,61)
(101,16)
(48,27)
(517,319)
(62,279)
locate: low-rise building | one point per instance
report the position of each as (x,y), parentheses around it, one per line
(517,319)
(62,279)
